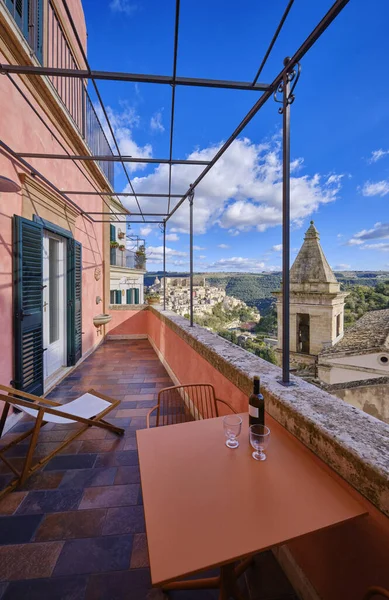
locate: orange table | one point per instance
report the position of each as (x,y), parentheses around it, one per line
(206,505)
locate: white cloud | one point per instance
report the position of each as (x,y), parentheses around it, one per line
(243,190)
(202,257)
(123,123)
(198,248)
(277,248)
(381,246)
(123,6)
(380,231)
(238,263)
(340,235)
(377,155)
(379,188)
(155,253)
(223,246)
(156,122)
(233,232)
(146,230)
(172,237)
(341,267)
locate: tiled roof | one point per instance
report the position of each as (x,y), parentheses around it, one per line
(370,332)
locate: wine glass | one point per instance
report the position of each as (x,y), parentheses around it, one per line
(232,427)
(259,439)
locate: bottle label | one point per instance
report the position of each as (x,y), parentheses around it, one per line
(253,411)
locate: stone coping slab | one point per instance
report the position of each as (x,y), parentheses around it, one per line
(353,443)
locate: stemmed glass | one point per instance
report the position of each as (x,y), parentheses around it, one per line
(232,427)
(259,439)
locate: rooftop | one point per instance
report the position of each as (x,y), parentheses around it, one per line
(76,528)
(311,266)
(370,333)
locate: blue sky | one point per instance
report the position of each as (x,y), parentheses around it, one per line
(339,126)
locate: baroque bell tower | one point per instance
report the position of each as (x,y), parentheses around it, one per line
(316,303)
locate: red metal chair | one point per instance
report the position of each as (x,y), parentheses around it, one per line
(191,402)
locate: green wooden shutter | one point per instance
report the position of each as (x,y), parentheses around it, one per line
(136,291)
(28,301)
(130,296)
(112,233)
(118,299)
(74,304)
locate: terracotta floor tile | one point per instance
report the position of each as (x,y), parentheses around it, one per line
(127,475)
(49,501)
(11,502)
(66,525)
(93,555)
(18,529)
(71,461)
(140,554)
(58,588)
(28,561)
(132,412)
(43,480)
(118,495)
(125,519)
(98,446)
(130,444)
(124,458)
(124,585)
(94,433)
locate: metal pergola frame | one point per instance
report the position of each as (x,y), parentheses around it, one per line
(283,84)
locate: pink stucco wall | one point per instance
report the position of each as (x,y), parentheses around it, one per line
(125,322)
(22,130)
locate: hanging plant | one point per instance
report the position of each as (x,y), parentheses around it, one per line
(140,258)
(114,244)
(121,235)
(122,247)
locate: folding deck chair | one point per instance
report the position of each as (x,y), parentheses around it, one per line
(89,409)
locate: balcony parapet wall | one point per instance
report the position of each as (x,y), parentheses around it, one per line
(353,443)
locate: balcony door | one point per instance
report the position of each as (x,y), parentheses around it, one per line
(54,303)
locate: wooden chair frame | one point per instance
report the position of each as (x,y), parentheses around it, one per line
(44,406)
(182,387)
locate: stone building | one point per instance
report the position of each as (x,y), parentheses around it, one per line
(316,305)
(357,368)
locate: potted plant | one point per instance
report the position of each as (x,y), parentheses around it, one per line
(114,244)
(153,298)
(140,258)
(121,235)
(122,247)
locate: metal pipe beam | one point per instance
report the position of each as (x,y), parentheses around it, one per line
(133,77)
(175,56)
(191,198)
(326,21)
(273,41)
(164,266)
(37,173)
(129,222)
(128,214)
(140,195)
(286,227)
(114,158)
(81,47)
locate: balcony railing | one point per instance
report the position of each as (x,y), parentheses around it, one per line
(123,258)
(73,93)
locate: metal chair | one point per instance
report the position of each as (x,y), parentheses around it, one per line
(376,591)
(190,402)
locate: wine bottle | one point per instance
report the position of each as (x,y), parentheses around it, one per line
(256,405)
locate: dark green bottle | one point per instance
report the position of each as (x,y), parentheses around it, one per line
(256,405)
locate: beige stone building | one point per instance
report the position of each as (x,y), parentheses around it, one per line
(316,305)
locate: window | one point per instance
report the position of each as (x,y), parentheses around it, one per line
(28,15)
(115,296)
(338,325)
(303,333)
(112,233)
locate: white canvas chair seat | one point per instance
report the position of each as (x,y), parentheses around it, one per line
(86,406)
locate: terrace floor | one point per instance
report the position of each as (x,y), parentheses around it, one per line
(76,529)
